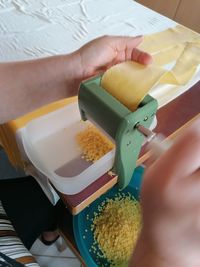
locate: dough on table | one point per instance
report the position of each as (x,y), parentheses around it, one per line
(167,39)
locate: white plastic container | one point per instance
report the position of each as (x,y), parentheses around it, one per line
(50,145)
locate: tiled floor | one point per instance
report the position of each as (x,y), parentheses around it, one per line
(49,256)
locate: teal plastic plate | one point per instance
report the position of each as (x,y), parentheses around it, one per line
(82,222)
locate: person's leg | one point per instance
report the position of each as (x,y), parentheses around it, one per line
(28,208)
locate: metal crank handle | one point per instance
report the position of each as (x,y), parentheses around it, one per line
(156,142)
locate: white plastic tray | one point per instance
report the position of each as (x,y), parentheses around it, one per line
(49,142)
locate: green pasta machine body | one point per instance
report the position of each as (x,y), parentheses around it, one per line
(97,105)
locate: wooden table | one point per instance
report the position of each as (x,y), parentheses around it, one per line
(172,120)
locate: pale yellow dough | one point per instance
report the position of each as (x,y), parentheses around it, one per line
(130,82)
(185,67)
(167,39)
(169,55)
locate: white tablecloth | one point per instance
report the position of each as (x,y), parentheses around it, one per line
(38,28)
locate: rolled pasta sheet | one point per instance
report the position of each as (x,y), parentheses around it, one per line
(129,82)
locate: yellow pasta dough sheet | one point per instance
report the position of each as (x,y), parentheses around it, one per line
(166,39)
(130,82)
(185,66)
(169,55)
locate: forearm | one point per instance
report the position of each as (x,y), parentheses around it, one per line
(25,86)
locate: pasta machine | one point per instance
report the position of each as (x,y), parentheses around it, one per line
(124,126)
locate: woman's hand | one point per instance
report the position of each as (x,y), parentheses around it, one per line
(103,52)
(171,207)
(38,82)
